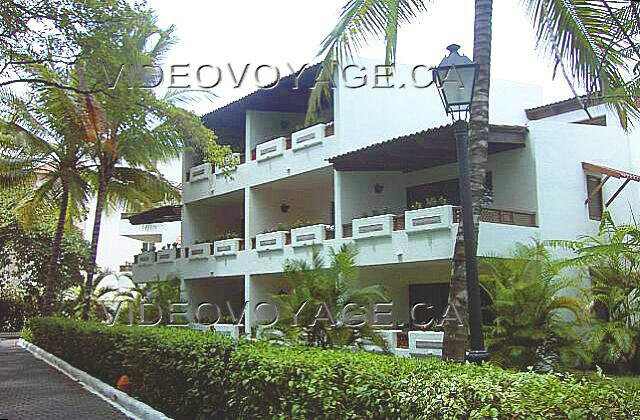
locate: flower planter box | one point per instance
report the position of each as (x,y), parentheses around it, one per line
(226,247)
(390,337)
(166,256)
(228,330)
(199,251)
(200,172)
(309,235)
(426,343)
(219,168)
(271,149)
(146,259)
(271,241)
(372,227)
(308,137)
(433,218)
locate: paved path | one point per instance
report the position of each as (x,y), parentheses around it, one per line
(31,390)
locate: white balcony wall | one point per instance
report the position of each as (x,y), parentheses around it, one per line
(559,149)
(307,204)
(262,126)
(143,273)
(369,115)
(358,193)
(514,178)
(208,219)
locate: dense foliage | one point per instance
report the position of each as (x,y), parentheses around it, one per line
(24,256)
(534,310)
(56,33)
(189,374)
(610,263)
(326,306)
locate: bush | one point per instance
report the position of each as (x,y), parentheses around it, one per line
(190,374)
(177,371)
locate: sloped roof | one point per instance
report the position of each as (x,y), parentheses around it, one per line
(423,149)
(282,96)
(562,107)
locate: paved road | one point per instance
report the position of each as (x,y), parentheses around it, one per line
(32,390)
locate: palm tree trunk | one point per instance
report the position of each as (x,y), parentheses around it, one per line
(479,122)
(93,254)
(455,335)
(455,332)
(56,249)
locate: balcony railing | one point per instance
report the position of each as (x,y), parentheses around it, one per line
(411,221)
(298,140)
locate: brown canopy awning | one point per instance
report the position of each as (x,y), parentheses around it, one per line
(616,173)
(608,173)
(163,214)
(425,149)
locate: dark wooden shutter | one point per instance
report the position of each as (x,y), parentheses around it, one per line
(596,204)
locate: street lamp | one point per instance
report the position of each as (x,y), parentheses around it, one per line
(455,79)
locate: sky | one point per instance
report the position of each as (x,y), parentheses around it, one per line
(278,32)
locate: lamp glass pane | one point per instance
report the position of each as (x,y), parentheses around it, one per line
(457,84)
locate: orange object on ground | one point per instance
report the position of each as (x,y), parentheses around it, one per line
(123,383)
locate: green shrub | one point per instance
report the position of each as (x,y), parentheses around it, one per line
(189,374)
(177,371)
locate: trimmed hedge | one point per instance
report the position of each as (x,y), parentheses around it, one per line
(177,371)
(189,374)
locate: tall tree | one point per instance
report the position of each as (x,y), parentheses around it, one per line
(568,30)
(56,33)
(25,253)
(43,150)
(131,130)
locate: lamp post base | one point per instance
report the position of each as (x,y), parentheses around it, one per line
(478,356)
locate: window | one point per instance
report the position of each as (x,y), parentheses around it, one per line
(596,199)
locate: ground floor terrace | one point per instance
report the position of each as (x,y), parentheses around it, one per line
(416,301)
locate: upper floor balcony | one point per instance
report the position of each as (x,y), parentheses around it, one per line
(427,234)
(276,158)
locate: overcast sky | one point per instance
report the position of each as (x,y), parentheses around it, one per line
(289,31)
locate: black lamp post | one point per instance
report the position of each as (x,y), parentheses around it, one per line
(455,79)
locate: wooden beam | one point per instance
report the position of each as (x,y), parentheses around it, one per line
(597,190)
(617,192)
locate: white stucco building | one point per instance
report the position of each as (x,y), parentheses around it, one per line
(356,176)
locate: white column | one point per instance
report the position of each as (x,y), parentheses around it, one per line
(248,218)
(248,320)
(337,198)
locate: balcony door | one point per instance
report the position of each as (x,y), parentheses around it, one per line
(432,294)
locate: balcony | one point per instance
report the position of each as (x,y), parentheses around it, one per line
(414,236)
(281,157)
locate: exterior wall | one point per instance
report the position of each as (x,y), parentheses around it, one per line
(217,291)
(263,126)
(304,205)
(545,176)
(369,115)
(208,219)
(358,194)
(559,150)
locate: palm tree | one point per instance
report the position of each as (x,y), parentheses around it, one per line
(131,131)
(44,150)
(529,302)
(610,263)
(336,286)
(573,31)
